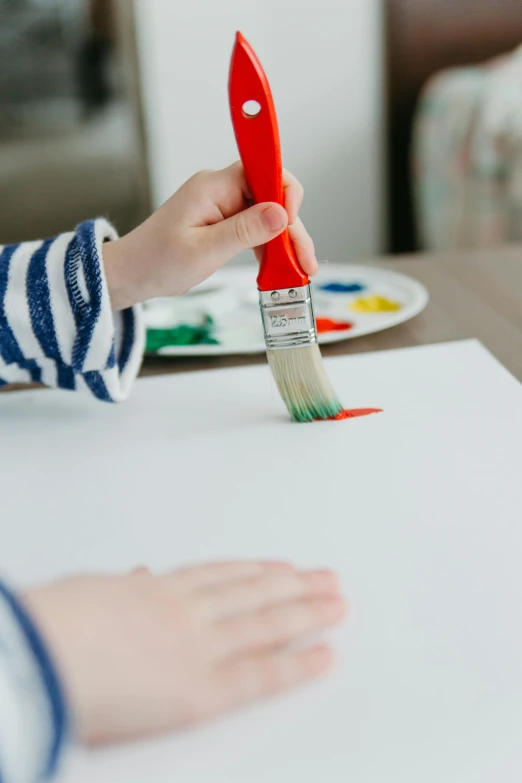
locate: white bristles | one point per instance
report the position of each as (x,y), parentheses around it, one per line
(303,383)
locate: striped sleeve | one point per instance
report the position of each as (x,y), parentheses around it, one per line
(56,322)
(34,724)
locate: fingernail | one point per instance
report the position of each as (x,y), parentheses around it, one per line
(272,219)
(333,606)
(320,659)
(322,582)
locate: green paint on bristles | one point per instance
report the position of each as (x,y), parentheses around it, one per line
(316,411)
(181,335)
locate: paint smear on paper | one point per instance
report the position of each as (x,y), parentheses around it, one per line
(343,288)
(328,325)
(182,335)
(354,413)
(375,304)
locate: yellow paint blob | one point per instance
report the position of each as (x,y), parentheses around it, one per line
(375,304)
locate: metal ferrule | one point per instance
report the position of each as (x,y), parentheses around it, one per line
(288,317)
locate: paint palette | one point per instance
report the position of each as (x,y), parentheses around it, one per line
(221,316)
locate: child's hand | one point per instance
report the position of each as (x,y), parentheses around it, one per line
(140,654)
(202,226)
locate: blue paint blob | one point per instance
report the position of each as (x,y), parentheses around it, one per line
(343,288)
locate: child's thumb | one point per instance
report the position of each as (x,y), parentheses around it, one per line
(249,228)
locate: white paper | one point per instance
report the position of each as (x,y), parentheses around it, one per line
(419,508)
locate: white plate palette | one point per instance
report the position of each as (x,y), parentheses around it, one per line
(349,300)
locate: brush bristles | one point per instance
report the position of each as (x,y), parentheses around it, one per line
(303,383)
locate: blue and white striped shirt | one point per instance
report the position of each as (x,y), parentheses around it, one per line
(56,322)
(33,714)
(56,328)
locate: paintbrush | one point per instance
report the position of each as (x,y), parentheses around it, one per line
(285,294)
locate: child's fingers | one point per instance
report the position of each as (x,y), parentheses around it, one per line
(236,175)
(247,229)
(293,195)
(229,187)
(262,675)
(304,247)
(200,577)
(141,571)
(278,625)
(251,595)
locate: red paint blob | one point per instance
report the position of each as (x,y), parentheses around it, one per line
(328,325)
(352,414)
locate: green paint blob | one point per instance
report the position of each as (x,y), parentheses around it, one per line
(181,335)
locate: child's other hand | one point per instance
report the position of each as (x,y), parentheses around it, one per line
(203,225)
(140,654)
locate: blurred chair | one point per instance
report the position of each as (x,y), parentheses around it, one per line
(425,37)
(467,157)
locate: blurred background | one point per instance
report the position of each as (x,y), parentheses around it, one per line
(71,140)
(402,118)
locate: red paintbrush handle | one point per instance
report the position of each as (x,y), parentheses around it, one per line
(260,151)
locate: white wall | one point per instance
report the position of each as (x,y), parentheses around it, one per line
(323,60)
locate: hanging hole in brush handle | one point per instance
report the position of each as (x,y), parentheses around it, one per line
(251,108)
(258,142)
(250,98)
